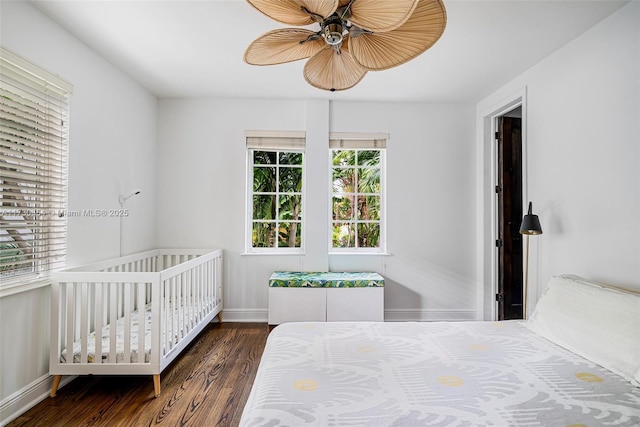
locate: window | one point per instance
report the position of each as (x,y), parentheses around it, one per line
(33,170)
(357,193)
(275,197)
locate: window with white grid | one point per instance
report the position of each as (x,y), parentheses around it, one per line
(357,193)
(275,170)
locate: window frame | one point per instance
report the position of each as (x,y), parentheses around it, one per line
(277,142)
(360,142)
(35,96)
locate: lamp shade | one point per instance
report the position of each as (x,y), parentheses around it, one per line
(530,223)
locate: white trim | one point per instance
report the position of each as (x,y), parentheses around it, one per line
(19,402)
(350,252)
(24,286)
(249,315)
(273,251)
(258,315)
(357,135)
(430,315)
(486,129)
(35,72)
(275,134)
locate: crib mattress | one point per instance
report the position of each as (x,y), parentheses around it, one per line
(105,339)
(432,373)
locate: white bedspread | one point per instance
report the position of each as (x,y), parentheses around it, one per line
(431,374)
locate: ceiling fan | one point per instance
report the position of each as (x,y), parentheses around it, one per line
(355,36)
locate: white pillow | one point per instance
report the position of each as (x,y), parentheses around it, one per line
(593,320)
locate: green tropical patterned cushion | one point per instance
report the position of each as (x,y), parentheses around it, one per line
(294,279)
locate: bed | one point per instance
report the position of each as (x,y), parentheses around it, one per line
(132,315)
(576,361)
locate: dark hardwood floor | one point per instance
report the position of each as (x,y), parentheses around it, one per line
(207,385)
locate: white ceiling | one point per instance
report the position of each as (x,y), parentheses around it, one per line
(187,48)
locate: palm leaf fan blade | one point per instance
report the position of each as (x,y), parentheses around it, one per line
(282,45)
(381,16)
(290,12)
(380,51)
(330,70)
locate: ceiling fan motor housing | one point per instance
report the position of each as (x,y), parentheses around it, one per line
(332,29)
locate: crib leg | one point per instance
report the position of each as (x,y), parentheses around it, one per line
(54,387)
(156,384)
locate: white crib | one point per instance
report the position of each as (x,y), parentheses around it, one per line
(132,315)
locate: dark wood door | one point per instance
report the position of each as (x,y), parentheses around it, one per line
(509,192)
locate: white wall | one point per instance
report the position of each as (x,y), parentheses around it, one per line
(431,218)
(583,136)
(112,149)
(430,159)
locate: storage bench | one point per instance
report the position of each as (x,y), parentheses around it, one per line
(325,296)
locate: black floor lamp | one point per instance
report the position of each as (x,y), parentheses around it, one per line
(530,226)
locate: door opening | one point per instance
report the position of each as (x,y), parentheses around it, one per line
(509,296)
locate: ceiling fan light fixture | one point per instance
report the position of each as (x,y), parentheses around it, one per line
(332,29)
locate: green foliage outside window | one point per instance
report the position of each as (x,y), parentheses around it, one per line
(356,198)
(277,199)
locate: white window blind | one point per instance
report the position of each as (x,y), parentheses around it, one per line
(34,129)
(276,140)
(359,141)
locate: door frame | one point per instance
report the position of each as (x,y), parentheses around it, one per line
(509,254)
(487,253)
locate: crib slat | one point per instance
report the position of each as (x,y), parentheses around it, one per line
(180,307)
(204,306)
(97,358)
(198,297)
(142,322)
(84,322)
(156,298)
(171,313)
(215,291)
(218,280)
(203,288)
(69,291)
(166,290)
(193,312)
(188,304)
(211,289)
(201,277)
(113,316)
(177,309)
(127,323)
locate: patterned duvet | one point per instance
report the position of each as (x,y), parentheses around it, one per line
(431,374)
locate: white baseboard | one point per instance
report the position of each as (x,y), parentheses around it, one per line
(427,315)
(390,315)
(27,397)
(257,315)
